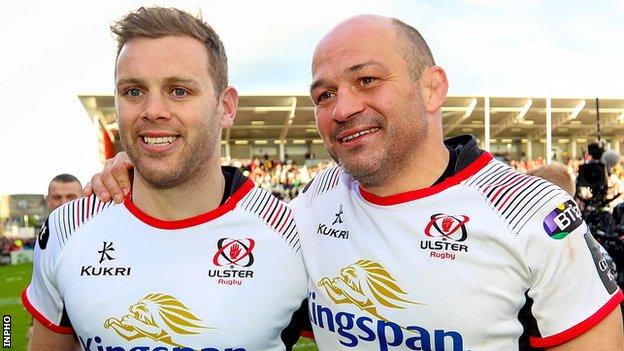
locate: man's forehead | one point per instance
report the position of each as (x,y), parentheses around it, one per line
(65,187)
(358,39)
(359,30)
(168,55)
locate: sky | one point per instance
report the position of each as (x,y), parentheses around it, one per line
(53,51)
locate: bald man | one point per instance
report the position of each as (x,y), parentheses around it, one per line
(416,243)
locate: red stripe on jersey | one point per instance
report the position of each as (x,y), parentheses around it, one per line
(277,215)
(335,178)
(499,182)
(42,319)
(285,222)
(462,175)
(88,215)
(510,182)
(577,330)
(510,195)
(78,212)
(228,206)
(268,209)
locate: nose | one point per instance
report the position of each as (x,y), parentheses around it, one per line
(348,103)
(156,108)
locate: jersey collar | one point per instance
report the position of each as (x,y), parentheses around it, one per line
(229,205)
(455,179)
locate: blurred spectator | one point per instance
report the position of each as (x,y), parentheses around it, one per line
(284,179)
(62,188)
(557,174)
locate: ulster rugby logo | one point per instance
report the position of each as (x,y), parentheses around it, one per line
(447,227)
(365,284)
(234,252)
(158,317)
(231,256)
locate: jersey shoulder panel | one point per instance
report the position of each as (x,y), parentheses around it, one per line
(327,180)
(65,220)
(42,297)
(515,197)
(274,213)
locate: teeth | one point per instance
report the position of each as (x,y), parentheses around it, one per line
(353,136)
(159,140)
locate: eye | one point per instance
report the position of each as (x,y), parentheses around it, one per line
(324,96)
(179,92)
(134,92)
(366,80)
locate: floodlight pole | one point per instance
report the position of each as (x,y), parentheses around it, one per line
(548,130)
(598,119)
(486,127)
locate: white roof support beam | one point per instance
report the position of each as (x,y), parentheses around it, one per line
(486,122)
(467,112)
(512,119)
(562,120)
(289,119)
(227,133)
(508,122)
(524,109)
(577,111)
(549,153)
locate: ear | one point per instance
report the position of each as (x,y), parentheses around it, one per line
(228,102)
(434,86)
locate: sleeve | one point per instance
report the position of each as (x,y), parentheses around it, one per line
(41,297)
(572,287)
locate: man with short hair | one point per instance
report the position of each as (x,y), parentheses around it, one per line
(62,188)
(416,243)
(195,258)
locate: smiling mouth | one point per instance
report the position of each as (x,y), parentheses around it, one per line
(358,134)
(159,140)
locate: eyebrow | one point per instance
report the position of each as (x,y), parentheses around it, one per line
(360,66)
(352,69)
(168,81)
(133,81)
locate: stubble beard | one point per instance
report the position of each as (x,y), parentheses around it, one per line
(192,160)
(390,160)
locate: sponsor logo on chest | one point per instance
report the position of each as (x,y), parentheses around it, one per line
(447,236)
(160,318)
(358,301)
(330,230)
(98,270)
(233,260)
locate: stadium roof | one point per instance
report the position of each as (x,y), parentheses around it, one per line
(291,117)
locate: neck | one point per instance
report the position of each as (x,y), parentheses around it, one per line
(200,195)
(421,171)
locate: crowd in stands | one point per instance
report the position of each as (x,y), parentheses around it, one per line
(286,179)
(283,179)
(7,245)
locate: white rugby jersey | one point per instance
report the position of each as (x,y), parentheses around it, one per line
(229,279)
(456,266)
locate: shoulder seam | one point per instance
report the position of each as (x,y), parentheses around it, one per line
(513,196)
(325,181)
(71,216)
(274,213)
